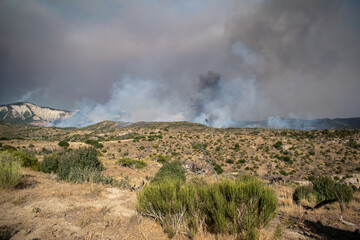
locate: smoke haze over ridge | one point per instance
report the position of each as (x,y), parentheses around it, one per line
(205,61)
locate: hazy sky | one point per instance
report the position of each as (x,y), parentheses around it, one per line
(147,60)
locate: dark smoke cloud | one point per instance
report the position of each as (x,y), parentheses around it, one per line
(141,60)
(304,54)
(208,91)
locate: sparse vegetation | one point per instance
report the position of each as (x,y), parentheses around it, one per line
(127,162)
(232,152)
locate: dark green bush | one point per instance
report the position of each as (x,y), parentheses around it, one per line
(8,148)
(278,145)
(170,170)
(82,158)
(284,158)
(63,144)
(329,189)
(229,161)
(78,166)
(26,160)
(94,143)
(218,169)
(323,188)
(50,163)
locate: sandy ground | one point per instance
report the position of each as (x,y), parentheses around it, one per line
(46,209)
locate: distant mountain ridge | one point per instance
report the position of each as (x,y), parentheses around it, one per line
(29,113)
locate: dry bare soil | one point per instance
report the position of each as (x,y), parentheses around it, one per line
(42,207)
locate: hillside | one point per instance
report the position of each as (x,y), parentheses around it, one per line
(43,207)
(28,113)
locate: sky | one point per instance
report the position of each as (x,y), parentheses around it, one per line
(207,61)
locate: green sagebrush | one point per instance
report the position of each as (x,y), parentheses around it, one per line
(10,170)
(241,206)
(323,188)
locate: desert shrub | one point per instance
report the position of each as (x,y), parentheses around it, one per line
(328,189)
(323,188)
(243,206)
(86,158)
(127,162)
(94,143)
(80,175)
(50,163)
(78,166)
(162,158)
(278,145)
(161,200)
(63,144)
(283,172)
(229,161)
(218,169)
(240,206)
(8,148)
(82,158)
(170,170)
(26,160)
(284,158)
(305,192)
(10,170)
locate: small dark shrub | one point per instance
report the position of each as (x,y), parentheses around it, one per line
(230,161)
(94,143)
(278,145)
(50,163)
(218,169)
(8,148)
(63,144)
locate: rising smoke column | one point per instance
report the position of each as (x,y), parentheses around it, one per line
(208,91)
(218,102)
